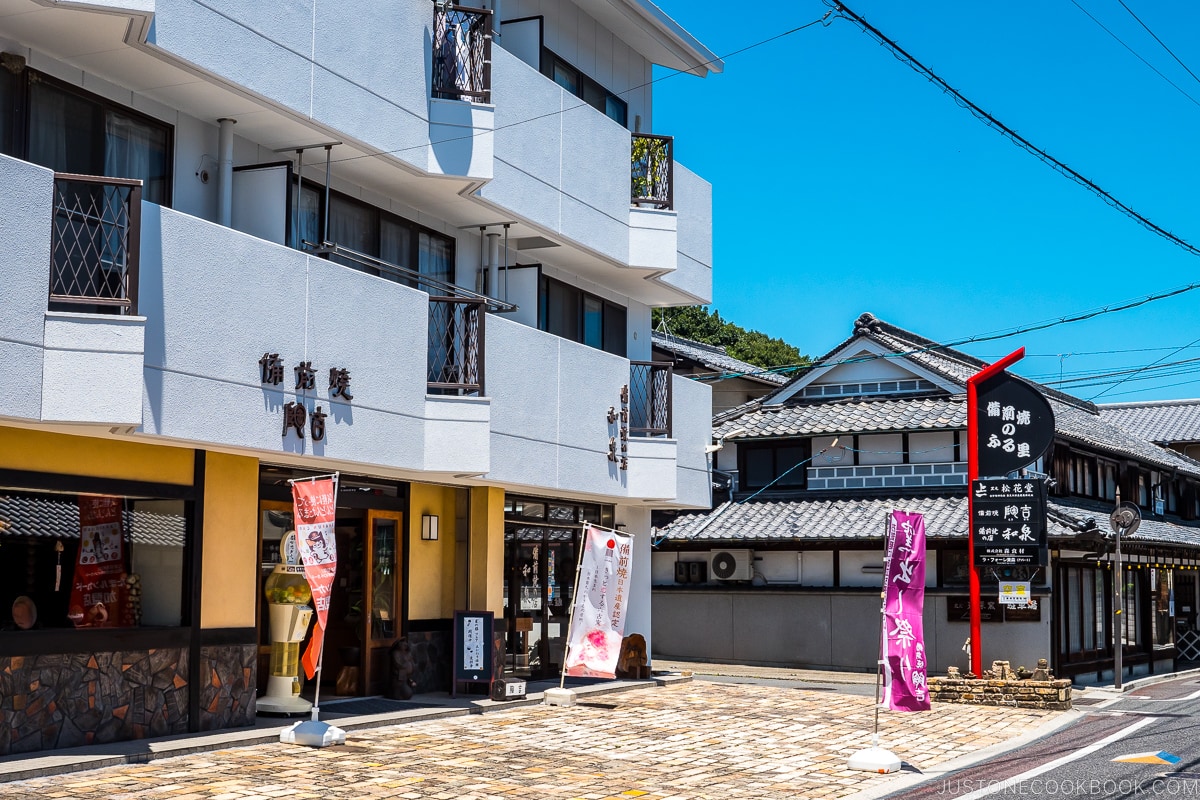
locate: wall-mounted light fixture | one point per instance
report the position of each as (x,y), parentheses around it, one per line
(429,527)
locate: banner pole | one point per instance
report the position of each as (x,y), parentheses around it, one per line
(880,665)
(562,677)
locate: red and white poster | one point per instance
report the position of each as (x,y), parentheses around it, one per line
(601,596)
(99,595)
(314,503)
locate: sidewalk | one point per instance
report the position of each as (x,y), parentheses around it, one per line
(266,730)
(673,738)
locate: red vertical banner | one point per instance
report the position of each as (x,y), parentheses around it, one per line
(314,503)
(99,595)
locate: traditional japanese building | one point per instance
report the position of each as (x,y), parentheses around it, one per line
(414,244)
(788,570)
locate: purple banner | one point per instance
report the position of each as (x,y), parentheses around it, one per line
(904,662)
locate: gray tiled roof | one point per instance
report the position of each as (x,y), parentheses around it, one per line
(828,519)
(1077,424)
(59,519)
(849,416)
(840,519)
(1080,515)
(1165,422)
(1075,420)
(716,359)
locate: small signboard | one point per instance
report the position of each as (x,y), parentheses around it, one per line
(1014,593)
(1014,425)
(1008,522)
(472,661)
(958,609)
(1030,612)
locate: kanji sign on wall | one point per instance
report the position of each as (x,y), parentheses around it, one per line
(1014,424)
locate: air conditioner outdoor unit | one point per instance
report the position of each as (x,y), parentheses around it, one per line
(731,565)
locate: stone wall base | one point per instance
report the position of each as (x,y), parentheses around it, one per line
(1053,694)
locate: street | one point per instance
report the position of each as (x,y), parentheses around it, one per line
(1139,744)
(685,741)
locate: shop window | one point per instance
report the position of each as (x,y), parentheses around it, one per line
(93,560)
(1162,587)
(1082,612)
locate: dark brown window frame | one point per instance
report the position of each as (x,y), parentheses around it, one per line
(774,446)
(21,110)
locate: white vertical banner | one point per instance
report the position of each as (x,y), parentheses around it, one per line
(601,597)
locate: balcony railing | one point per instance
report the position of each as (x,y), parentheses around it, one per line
(94,244)
(456,345)
(650,398)
(652,171)
(456,319)
(462,53)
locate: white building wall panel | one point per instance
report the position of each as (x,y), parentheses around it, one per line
(692,430)
(25,207)
(203,346)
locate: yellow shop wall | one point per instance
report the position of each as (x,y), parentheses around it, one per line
(229,575)
(40,451)
(431,564)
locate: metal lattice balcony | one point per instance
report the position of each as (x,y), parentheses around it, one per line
(462,54)
(650,398)
(652,171)
(94,244)
(456,345)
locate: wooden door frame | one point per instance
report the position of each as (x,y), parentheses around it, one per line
(370,643)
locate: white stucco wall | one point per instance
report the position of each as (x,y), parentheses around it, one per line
(25,207)
(217,300)
(820,629)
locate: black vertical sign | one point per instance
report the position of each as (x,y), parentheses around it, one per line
(1015,425)
(1008,522)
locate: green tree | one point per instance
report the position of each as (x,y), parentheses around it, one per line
(699,324)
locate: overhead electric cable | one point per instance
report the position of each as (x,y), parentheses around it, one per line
(983,116)
(989,337)
(1170,52)
(671,74)
(1135,53)
(1148,366)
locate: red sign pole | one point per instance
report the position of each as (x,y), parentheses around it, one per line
(973,473)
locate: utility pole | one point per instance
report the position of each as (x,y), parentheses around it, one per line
(1125,519)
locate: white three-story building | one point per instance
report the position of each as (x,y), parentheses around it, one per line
(412,243)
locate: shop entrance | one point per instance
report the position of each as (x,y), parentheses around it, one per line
(541,553)
(366,612)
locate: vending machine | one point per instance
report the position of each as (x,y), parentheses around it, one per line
(288,599)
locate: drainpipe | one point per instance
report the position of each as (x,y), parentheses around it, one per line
(225,172)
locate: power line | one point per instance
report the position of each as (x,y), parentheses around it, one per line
(671,74)
(1160,41)
(1148,366)
(1136,53)
(1016,138)
(989,337)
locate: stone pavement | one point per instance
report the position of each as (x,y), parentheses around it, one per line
(685,740)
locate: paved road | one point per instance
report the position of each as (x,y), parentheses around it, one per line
(685,741)
(1141,744)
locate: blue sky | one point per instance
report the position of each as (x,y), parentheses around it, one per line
(845,182)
